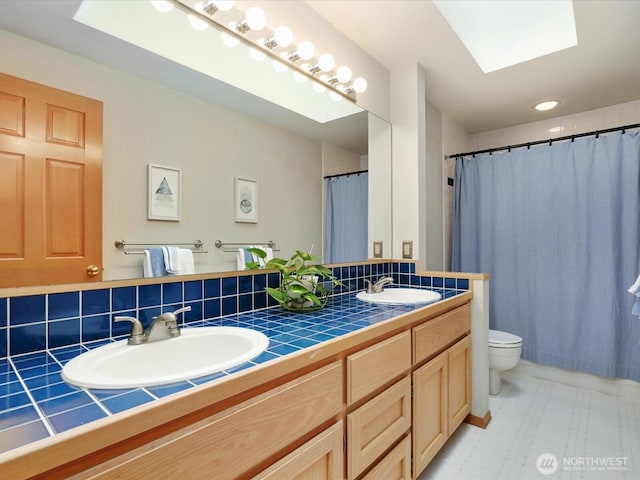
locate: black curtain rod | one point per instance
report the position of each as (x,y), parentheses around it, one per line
(346,174)
(549,141)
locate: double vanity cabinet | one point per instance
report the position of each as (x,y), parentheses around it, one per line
(374,404)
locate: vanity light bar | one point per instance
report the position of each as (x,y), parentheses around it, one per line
(331,82)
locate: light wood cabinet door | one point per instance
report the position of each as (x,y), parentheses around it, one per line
(321,458)
(459,383)
(375,426)
(50,185)
(396,465)
(373,367)
(430,415)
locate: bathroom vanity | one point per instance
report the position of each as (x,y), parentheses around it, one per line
(341,409)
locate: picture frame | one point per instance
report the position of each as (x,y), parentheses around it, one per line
(246,200)
(164,193)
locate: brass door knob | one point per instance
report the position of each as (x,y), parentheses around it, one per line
(93,270)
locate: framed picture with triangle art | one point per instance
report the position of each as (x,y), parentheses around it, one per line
(164,193)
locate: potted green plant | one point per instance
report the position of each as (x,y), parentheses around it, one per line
(302,284)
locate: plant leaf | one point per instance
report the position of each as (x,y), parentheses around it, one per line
(258,252)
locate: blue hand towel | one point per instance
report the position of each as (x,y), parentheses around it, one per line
(156,260)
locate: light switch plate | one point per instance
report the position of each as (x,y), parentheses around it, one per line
(407,249)
(377,249)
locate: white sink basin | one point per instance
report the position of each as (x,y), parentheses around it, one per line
(400,296)
(195,353)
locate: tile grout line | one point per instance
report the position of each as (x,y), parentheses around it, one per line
(34,404)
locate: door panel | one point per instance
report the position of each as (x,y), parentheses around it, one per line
(51,182)
(12,201)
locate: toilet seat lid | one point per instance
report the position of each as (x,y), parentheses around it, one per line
(500,338)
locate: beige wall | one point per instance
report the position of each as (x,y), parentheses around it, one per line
(147,123)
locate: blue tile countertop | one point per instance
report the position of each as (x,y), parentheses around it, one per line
(36,403)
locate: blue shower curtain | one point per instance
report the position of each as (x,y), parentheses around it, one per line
(346,218)
(558,229)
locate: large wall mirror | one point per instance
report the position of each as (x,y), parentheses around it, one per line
(160,111)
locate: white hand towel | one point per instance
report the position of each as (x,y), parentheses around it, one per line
(179,261)
(186,262)
(170,259)
(269,252)
(146,265)
(635,288)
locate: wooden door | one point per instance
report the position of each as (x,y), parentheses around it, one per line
(430,400)
(459,382)
(50,185)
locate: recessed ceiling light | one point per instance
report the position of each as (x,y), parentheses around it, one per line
(546,105)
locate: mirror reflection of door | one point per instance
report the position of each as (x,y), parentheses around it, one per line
(50,185)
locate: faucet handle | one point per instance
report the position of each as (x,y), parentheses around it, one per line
(182,310)
(137,330)
(369,285)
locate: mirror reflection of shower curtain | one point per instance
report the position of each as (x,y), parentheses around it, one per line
(346,218)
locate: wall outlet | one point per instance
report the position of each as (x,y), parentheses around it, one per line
(377,249)
(407,249)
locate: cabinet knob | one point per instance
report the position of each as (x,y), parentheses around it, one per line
(93,270)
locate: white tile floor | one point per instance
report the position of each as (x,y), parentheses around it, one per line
(582,428)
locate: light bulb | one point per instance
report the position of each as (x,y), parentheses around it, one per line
(335,96)
(162,5)
(229,40)
(326,62)
(306,50)
(279,66)
(359,85)
(195,22)
(223,5)
(343,74)
(256,54)
(318,87)
(283,36)
(298,77)
(256,18)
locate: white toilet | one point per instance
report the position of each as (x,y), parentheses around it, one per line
(504,353)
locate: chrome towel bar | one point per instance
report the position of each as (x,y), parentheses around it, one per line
(196,246)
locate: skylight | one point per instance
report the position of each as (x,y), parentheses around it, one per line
(500,33)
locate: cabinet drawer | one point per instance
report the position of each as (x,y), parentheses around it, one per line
(376,425)
(231,442)
(321,458)
(377,365)
(396,465)
(434,335)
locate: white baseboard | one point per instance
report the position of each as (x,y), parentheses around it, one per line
(611,386)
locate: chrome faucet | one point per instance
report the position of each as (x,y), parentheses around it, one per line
(162,327)
(379,285)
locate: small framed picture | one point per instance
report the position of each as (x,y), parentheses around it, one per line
(246,200)
(164,193)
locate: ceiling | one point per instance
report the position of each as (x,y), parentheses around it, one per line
(603,69)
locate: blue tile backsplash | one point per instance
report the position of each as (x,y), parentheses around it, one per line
(40,333)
